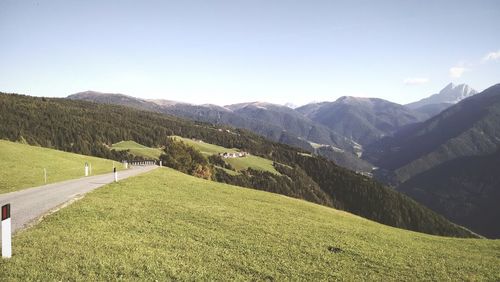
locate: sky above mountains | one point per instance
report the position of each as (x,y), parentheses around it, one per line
(232,51)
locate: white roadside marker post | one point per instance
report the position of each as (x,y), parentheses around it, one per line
(6,232)
(160,163)
(86,169)
(116,174)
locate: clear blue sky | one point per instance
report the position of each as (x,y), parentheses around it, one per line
(256,50)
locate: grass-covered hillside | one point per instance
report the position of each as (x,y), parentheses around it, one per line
(22,166)
(137,149)
(250,161)
(166,225)
(91,129)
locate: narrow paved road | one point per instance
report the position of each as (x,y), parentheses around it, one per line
(29,204)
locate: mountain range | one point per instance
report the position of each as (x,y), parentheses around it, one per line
(275,122)
(336,130)
(363,120)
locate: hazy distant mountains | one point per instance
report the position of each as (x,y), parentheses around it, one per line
(364,120)
(448,96)
(275,122)
(450,162)
(337,130)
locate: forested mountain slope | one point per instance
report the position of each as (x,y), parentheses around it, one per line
(465,190)
(469,128)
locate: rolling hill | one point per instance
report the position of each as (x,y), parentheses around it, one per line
(90,128)
(165,225)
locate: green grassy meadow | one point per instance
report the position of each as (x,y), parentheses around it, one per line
(205,148)
(22,166)
(165,225)
(138,149)
(249,161)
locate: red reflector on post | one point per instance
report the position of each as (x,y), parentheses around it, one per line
(5,211)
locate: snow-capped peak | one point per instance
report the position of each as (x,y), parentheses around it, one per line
(451,94)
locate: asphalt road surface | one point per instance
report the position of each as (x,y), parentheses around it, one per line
(30,204)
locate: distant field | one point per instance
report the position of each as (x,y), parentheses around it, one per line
(253,162)
(21,166)
(138,149)
(165,225)
(205,148)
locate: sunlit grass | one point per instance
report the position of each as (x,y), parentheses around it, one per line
(242,163)
(165,225)
(22,166)
(138,149)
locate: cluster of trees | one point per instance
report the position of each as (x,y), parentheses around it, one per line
(185,158)
(90,128)
(217,160)
(292,182)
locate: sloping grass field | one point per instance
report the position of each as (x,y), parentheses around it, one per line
(22,166)
(205,148)
(165,225)
(138,149)
(242,163)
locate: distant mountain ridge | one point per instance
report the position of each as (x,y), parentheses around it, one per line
(364,120)
(275,122)
(338,130)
